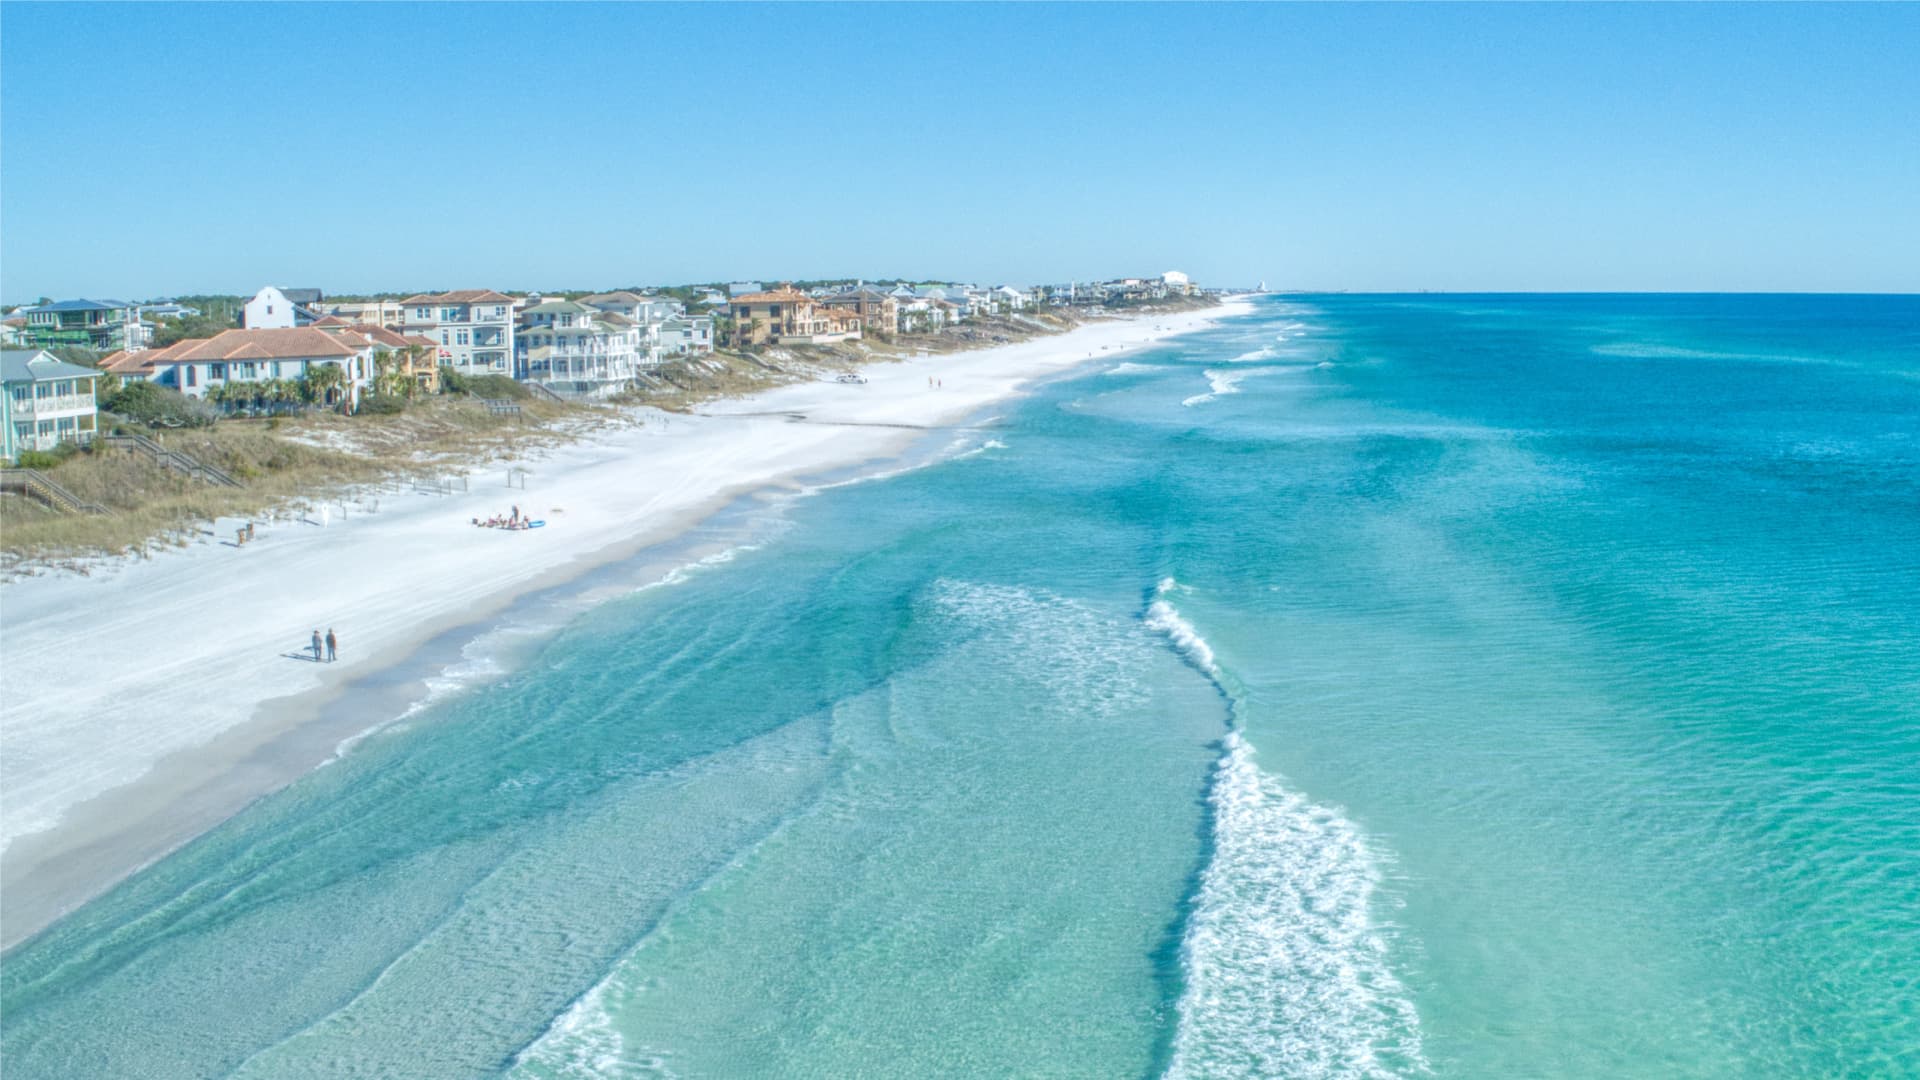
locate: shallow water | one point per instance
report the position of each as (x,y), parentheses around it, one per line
(1370,686)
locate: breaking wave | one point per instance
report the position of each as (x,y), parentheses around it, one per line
(1286,970)
(1220,383)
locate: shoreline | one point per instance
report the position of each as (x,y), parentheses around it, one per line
(185,664)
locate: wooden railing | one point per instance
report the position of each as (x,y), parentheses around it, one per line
(42,488)
(173,459)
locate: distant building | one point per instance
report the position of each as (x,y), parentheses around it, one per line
(1177,283)
(94,324)
(1012,299)
(744,288)
(787,316)
(167,309)
(473,328)
(875,308)
(274,308)
(44,402)
(373,312)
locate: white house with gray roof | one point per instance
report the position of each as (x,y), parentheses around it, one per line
(44,402)
(572,348)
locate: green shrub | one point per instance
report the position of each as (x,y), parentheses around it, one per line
(382,405)
(159,406)
(39,459)
(486,386)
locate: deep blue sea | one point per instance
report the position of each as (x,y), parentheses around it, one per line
(1465,686)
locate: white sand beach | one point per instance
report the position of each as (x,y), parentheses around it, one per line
(130,690)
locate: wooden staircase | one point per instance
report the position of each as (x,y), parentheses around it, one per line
(43,489)
(173,459)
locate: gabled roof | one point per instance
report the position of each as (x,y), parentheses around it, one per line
(461,296)
(143,362)
(302,296)
(38,365)
(620,297)
(288,343)
(330,321)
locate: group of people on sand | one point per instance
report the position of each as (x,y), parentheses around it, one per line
(332,644)
(511,521)
(933,383)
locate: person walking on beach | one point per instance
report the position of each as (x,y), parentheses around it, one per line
(316,646)
(333,646)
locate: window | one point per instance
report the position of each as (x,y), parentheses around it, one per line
(216,371)
(192,376)
(446,337)
(269,309)
(460,338)
(46,428)
(421,314)
(273,370)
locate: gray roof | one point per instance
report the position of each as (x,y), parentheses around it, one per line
(558,307)
(38,365)
(302,296)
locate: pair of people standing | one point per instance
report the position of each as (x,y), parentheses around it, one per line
(332,644)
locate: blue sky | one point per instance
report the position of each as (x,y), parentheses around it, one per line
(148,150)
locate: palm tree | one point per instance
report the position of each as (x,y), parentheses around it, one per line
(392,379)
(323,381)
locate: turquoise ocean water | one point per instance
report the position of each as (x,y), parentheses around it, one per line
(1484,686)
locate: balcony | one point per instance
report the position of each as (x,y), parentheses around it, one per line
(69,403)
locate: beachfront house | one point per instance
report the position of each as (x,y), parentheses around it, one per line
(274,308)
(44,402)
(472,328)
(95,324)
(1010,298)
(571,348)
(213,367)
(686,335)
(875,308)
(411,356)
(787,316)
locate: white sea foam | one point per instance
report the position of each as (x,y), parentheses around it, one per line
(1265,353)
(1221,384)
(1286,970)
(1130,369)
(1164,617)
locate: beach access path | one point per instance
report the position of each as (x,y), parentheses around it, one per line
(121,690)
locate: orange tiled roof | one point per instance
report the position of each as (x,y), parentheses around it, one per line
(329,322)
(280,344)
(142,362)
